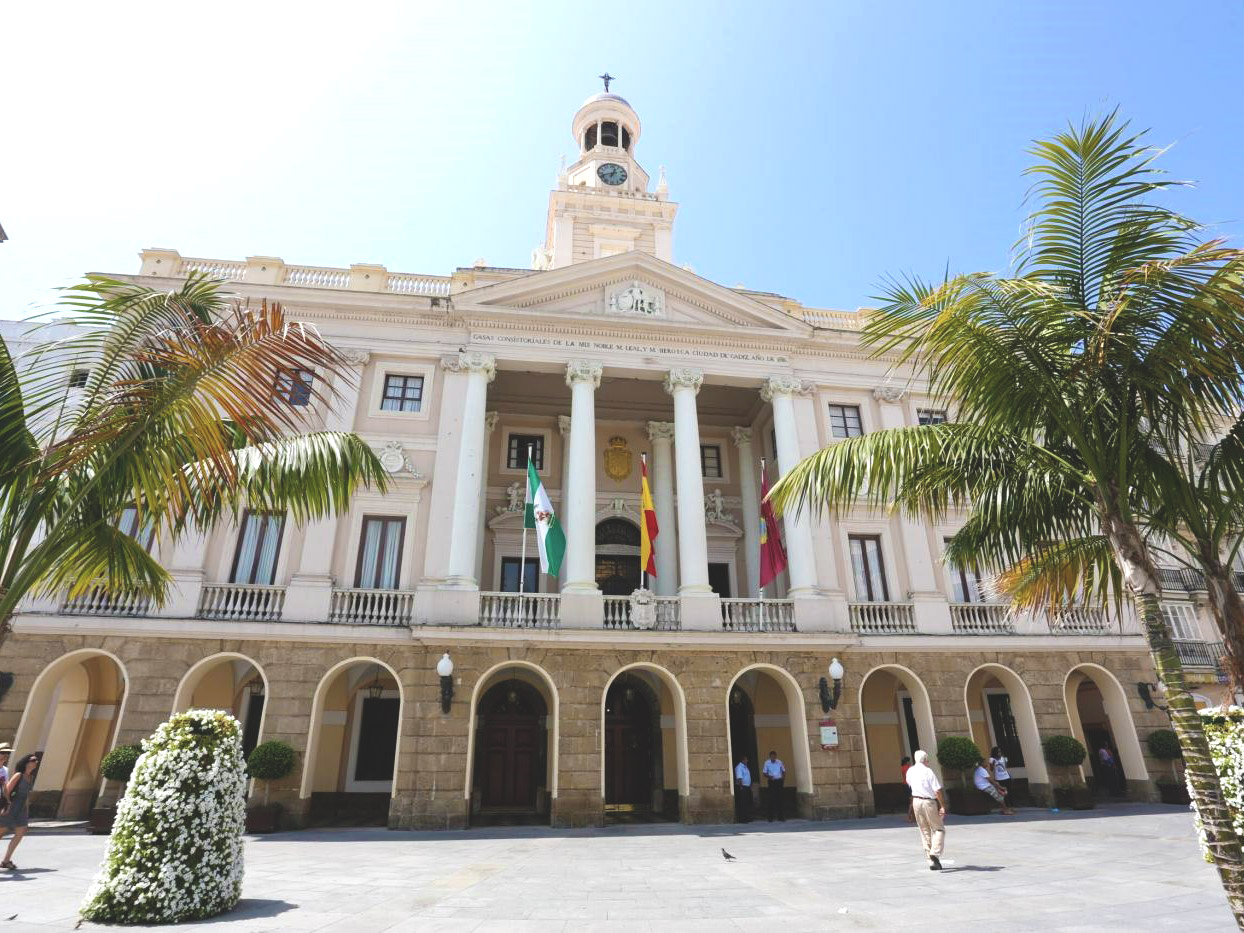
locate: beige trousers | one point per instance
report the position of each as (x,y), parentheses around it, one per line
(932,831)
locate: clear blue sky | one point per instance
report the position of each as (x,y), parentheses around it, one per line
(813,148)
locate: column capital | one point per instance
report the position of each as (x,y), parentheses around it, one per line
(583,371)
(490,421)
(660,431)
(684,378)
(352,357)
(889,393)
(563,424)
(471,361)
(741,436)
(776,386)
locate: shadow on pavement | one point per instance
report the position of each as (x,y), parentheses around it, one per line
(249,908)
(973,868)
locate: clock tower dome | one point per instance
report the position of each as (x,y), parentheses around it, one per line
(602,205)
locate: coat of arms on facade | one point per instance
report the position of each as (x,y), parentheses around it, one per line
(643,609)
(618,459)
(637,299)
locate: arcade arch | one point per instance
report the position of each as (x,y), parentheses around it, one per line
(1001,714)
(1099,715)
(644,762)
(898,720)
(766,712)
(230,682)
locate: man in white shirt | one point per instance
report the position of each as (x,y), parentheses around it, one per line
(929,806)
(743,791)
(775,771)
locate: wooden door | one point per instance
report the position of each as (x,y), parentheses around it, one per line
(511,756)
(377,739)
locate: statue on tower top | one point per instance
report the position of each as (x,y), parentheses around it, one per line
(607,77)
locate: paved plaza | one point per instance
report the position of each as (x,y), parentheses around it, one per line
(1112,868)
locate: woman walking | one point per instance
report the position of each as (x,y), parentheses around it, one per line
(15,818)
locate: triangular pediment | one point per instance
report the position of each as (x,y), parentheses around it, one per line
(630,287)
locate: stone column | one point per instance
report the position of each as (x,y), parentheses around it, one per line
(929,604)
(480,369)
(563,426)
(700,608)
(490,425)
(583,377)
(661,436)
(751,510)
(780,392)
(308,598)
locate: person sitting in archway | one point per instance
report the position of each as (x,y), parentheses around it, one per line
(986,783)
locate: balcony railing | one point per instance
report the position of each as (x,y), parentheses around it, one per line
(1079,622)
(618,613)
(981,619)
(882,618)
(519,610)
(96,602)
(758,615)
(241,602)
(372,607)
(1199,653)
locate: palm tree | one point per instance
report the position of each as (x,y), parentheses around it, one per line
(171,407)
(1117,333)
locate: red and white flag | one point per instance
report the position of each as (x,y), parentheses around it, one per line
(772,554)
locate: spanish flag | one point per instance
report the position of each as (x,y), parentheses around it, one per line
(648,527)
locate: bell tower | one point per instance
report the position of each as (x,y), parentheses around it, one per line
(602,205)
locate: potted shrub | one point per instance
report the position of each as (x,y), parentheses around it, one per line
(1066,754)
(1164,746)
(117,765)
(959,754)
(270,761)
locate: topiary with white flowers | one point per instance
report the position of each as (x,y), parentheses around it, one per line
(1224,728)
(176,847)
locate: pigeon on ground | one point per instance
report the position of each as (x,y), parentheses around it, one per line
(727,856)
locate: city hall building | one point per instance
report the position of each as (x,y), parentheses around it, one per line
(577,702)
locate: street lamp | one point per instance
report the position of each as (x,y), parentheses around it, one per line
(445,668)
(836,673)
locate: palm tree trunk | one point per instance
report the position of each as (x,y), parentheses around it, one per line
(1216,819)
(1228,610)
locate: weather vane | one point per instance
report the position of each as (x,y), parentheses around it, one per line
(607,77)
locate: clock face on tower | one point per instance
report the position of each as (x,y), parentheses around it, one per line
(611,173)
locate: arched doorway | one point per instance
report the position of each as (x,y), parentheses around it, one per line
(617,557)
(897,722)
(72,716)
(1000,710)
(767,713)
(643,746)
(350,768)
(229,682)
(1100,718)
(512,763)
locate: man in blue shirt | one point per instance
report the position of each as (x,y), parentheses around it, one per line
(743,791)
(775,771)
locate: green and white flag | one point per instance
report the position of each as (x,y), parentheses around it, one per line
(538,514)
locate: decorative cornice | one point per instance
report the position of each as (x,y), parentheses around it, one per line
(583,371)
(352,357)
(660,431)
(471,361)
(490,421)
(684,377)
(889,393)
(776,386)
(563,424)
(741,436)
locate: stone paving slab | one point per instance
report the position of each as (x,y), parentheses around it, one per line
(1113,868)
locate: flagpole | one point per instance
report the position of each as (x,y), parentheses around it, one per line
(760,590)
(522,561)
(643,571)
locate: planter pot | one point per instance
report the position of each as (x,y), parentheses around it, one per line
(1174,793)
(969,801)
(101,821)
(262,819)
(1073,798)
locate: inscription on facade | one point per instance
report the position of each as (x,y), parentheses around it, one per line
(610,346)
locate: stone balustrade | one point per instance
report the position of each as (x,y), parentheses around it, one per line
(241,602)
(372,607)
(981,619)
(519,610)
(758,615)
(96,602)
(882,618)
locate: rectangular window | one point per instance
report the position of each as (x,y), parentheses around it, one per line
(509,575)
(402,393)
(380,553)
(77,378)
(516,451)
(259,544)
(128,525)
(294,386)
(931,416)
(869,568)
(1005,731)
(1181,618)
(844,421)
(710,461)
(964,582)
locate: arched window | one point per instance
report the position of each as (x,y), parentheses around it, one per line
(589,138)
(609,133)
(617,531)
(626,139)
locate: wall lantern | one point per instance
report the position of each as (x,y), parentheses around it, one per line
(445,668)
(836,673)
(1151,694)
(256,686)
(376,689)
